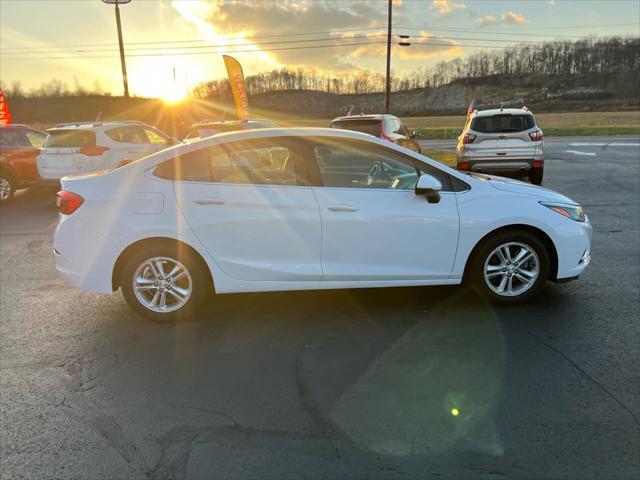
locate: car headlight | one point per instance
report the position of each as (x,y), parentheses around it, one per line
(574,212)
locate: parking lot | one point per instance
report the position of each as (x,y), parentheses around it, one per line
(393,383)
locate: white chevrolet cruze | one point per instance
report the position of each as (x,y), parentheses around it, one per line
(297,209)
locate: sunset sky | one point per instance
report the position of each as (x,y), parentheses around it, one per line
(76,42)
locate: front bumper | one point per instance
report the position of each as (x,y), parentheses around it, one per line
(573,246)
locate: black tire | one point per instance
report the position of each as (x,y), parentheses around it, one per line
(7,187)
(475,273)
(536,175)
(199,279)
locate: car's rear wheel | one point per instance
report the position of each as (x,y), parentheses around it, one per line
(510,267)
(164,284)
(536,175)
(7,187)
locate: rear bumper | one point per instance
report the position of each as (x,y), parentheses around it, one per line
(513,166)
(86,264)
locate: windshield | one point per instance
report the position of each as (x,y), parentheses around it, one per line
(372,127)
(503,123)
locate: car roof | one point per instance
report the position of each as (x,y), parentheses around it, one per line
(372,116)
(97,126)
(212,123)
(501,111)
(19,126)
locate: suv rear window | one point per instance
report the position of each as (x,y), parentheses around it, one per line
(503,123)
(70,139)
(372,127)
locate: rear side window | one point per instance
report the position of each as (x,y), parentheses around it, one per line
(70,139)
(13,138)
(128,135)
(36,139)
(257,162)
(372,127)
(261,125)
(202,132)
(155,137)
(503,123)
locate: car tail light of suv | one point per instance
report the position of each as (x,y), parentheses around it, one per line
(68,202)
(93,151)
(468,138)
(536,136)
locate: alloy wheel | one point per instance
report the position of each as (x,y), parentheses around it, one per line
(511,269)
(162,284)
(5,189)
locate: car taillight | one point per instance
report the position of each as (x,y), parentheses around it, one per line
(93,151)
(68,202)
(463,166)
(468,138)
(536,136)
(536,163)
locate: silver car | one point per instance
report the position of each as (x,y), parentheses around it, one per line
(505,142)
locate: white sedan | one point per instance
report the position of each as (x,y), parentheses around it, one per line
(299,209)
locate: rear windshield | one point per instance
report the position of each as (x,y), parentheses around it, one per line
(70,139)
(372,127)
(503,123)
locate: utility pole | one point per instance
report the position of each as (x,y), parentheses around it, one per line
(387,92)
(123,64)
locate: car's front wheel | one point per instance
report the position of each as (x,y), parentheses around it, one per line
(510,267)
(163,283)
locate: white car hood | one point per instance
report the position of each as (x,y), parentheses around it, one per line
(517,186)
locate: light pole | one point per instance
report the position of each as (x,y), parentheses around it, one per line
(123,64)
(403,43)
(387,91)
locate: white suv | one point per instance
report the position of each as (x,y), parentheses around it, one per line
(76,148)
(506,141)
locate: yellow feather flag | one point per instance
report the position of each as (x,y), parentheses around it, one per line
(236,79)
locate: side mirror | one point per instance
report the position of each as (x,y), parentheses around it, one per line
(173,141)
(414,134)
(430,187)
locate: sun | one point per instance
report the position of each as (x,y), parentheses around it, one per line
(173,94)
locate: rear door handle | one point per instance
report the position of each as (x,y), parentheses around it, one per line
(210,201)
(342,208)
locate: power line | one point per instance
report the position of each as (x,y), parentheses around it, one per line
(207,46)
(62,46)
(360,29)
(219,52)
(333,45)
(495,32)
(189,48)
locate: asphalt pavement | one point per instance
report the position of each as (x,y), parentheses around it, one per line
(376,383)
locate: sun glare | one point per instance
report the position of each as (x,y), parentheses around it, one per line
(173,94)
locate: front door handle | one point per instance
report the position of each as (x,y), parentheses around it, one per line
(210,201)
(342,208)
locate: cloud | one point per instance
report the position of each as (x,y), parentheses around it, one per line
(485,21)
(513,17)
(275,24)
(446,7)
(422,47)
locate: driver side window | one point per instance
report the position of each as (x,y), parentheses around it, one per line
(353,164)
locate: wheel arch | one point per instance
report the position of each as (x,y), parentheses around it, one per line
(540,234)
(155,241)
(6,169)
